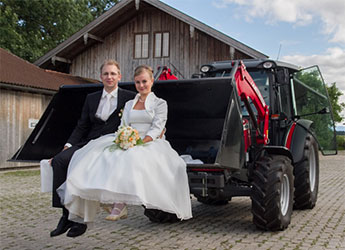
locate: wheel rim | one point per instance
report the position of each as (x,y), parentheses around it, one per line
(284,195)
(312,169)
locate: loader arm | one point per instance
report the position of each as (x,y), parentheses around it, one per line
(248,91)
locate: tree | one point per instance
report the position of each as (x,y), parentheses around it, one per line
(30,28)
(334,94)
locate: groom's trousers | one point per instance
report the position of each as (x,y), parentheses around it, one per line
(60,164)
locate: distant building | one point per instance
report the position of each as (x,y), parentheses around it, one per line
(25,92)
(149,32)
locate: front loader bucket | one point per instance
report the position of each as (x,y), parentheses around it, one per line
(204,119)
(56,123)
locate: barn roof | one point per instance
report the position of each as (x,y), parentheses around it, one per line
(14,71)
(117,16)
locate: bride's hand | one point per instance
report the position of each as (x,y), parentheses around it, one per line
(162,134)
(147,139)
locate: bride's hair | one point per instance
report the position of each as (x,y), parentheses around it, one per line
(143,68)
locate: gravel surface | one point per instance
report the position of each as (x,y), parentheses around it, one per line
(26,218)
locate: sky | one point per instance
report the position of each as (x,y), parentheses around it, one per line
(301,32)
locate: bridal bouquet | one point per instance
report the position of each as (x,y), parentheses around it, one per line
(126,137)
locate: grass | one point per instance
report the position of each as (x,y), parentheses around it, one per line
(24,173)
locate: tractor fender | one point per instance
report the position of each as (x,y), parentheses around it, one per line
(278,150)
(300,132)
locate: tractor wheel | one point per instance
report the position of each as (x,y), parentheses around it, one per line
(306,174)
(159,216)
(272,192)
(210,201)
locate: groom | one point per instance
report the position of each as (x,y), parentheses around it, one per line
(100,116)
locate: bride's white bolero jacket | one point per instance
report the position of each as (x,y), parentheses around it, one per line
(156,107)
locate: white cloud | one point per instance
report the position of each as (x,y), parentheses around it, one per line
(297,12)
(331,64)
(330,12)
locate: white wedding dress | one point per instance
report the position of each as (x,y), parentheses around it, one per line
(152,175)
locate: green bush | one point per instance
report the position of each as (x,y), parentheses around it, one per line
(341,142)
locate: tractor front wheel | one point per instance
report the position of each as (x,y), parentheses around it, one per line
(272,192)
(306,174)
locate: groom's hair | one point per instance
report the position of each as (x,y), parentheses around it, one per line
(143,68)
(110,62)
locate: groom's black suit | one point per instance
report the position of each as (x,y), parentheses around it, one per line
(89,127)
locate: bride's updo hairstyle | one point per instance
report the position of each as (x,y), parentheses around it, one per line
(143,68)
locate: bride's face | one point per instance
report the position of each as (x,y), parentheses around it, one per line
(143,83)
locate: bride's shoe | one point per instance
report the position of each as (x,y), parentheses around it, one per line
(122,215)
(107,207)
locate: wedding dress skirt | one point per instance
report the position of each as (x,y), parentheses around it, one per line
(152,175)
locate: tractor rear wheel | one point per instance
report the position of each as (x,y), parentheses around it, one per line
(159,216)
(272,194)
(306,174)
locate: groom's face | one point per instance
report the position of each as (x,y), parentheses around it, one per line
(110,77)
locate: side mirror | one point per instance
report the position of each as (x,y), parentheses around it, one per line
(324,111)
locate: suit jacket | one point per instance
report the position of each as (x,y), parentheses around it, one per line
(91,127)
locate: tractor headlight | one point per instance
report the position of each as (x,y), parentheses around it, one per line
(267,65)
(205,68)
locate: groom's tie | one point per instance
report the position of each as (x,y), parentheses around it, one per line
(106,108)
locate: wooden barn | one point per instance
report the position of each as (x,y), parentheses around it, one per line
(25,92)
(136,32)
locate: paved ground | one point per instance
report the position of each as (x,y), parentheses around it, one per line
(27,218)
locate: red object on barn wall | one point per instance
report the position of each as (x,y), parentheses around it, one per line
(167,75)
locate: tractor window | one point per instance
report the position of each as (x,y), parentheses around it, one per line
(221,73)
(260,78)
(312,103)
(262,82)
(285,101)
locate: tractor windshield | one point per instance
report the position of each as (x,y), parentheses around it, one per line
(312,103)
(260,78)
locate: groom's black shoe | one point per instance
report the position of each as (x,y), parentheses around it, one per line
(63,225)
(77,229)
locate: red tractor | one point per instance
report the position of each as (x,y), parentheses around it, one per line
(257,127)
(251,136)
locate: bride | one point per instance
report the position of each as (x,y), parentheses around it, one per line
(151,174)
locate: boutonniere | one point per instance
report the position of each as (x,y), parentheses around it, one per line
(121,113)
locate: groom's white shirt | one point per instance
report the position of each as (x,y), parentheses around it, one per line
(113,102)
(156,107)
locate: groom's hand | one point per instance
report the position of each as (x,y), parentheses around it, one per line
(50,160)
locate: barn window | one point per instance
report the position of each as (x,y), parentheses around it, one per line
(141,45)
(161,44)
